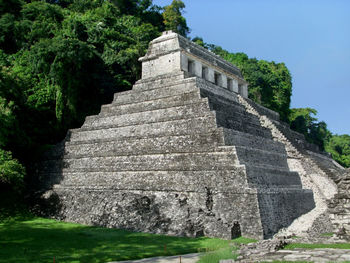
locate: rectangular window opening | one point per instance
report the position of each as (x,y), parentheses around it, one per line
(216,78)
(191,66)
(229,84)
(240,89)
(204,72)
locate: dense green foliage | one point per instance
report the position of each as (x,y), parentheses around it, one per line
(173,19)
(61,59)
(11,173)
(40,240)
(270,83)
(303,121)
(339,147)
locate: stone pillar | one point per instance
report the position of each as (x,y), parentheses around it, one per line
(245,90)
(223,81)
(211,76)
(184,62)
(197,69)
(234,85)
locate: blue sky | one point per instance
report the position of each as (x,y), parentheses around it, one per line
(312,37)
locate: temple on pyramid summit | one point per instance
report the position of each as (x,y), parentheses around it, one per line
(187,153)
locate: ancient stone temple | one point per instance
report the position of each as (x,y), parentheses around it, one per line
(185,152)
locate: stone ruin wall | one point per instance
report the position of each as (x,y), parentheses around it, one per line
(185,152)
(339,206)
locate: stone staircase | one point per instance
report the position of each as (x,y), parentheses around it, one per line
(176,155)
(281,197)
(317,172)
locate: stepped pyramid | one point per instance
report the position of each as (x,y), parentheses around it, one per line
(186,153)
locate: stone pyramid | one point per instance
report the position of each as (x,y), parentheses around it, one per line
(186,153)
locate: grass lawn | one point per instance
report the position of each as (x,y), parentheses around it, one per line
(224,252)
(312,246)
(42,240)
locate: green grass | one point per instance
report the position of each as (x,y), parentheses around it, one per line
(276,261)
(312,246)
(227,252)
(40,240)
(326,234)
(215,256)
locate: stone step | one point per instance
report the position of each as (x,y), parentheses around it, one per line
(279,207)
(243,118)
(287,132)
(161,103)
(237,138)
(131,96)
(263,110)
(232,108)
(219,102)
(242,126)
(151,162)
(168,128)
(230,180)
(297,139)
(164,77)
(159,81)
(230,105)
(247,155)
(131,146)
(209,89)
(233,115)
(327,164)
(197,109)
(272,177)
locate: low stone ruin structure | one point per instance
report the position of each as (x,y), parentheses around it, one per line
(185,152)
(339,206)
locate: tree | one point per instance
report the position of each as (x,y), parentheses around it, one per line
(11,173)
(199,41)
(339,147)
(59,61)
(10,6)
(173,19)
(7,120)
(302,120)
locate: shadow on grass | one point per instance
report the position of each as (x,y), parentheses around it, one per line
(42,240)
